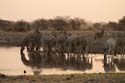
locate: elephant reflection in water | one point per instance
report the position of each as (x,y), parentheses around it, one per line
(120,63)
(34,61)
(89,62)
(109,65)
(85,63)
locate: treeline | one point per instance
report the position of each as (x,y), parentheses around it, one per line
(61,23)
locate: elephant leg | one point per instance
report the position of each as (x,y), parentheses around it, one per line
(28,49)
(78,57)
(43,60)
(64,59)
(78,60)
(86,51)
(74,59)
(115,52)
(83,57)
(37,48)
(32,47)
(55,59)
(123,51)
(50,58)
(22,49)
(120,51)
(105,53)
(68,58)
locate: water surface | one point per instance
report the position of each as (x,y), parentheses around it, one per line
(11,64)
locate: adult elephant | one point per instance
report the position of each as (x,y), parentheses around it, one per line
(35,40)
(83,45)
(120,46)
(99,34)
(25,43)
(69,47)
(32,41)
(60,48)
(49,48)
(75,48)
(69,43)
(110,46)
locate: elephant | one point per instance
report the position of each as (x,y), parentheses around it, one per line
(120,46)
(110,46)
(99,34)
(32,42)
(48,42)
(57,48)
(75,46)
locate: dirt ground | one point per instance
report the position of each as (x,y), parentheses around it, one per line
(72,78)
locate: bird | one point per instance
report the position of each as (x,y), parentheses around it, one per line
(24,72)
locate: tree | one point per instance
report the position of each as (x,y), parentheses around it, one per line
(41,24)
(75,23)
(6,25)
(96,26)
(59,23)
(113,26)
(22,26)
(122,23)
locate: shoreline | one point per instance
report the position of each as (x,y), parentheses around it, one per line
(71,78)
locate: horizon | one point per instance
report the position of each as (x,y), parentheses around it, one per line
(93,11)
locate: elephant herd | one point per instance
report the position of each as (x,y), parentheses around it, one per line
(62,48)
(56,48)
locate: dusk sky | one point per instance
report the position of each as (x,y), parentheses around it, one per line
(90,10)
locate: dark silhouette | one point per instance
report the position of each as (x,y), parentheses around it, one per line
(109,65)
(120,64)
(120,46)
(32,42)
(110,46)
(99,34)
(54,52)
(24,72)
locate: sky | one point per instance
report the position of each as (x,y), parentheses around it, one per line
(90,10)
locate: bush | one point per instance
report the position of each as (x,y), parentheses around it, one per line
(22,26)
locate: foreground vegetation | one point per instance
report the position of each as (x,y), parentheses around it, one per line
(72,78)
